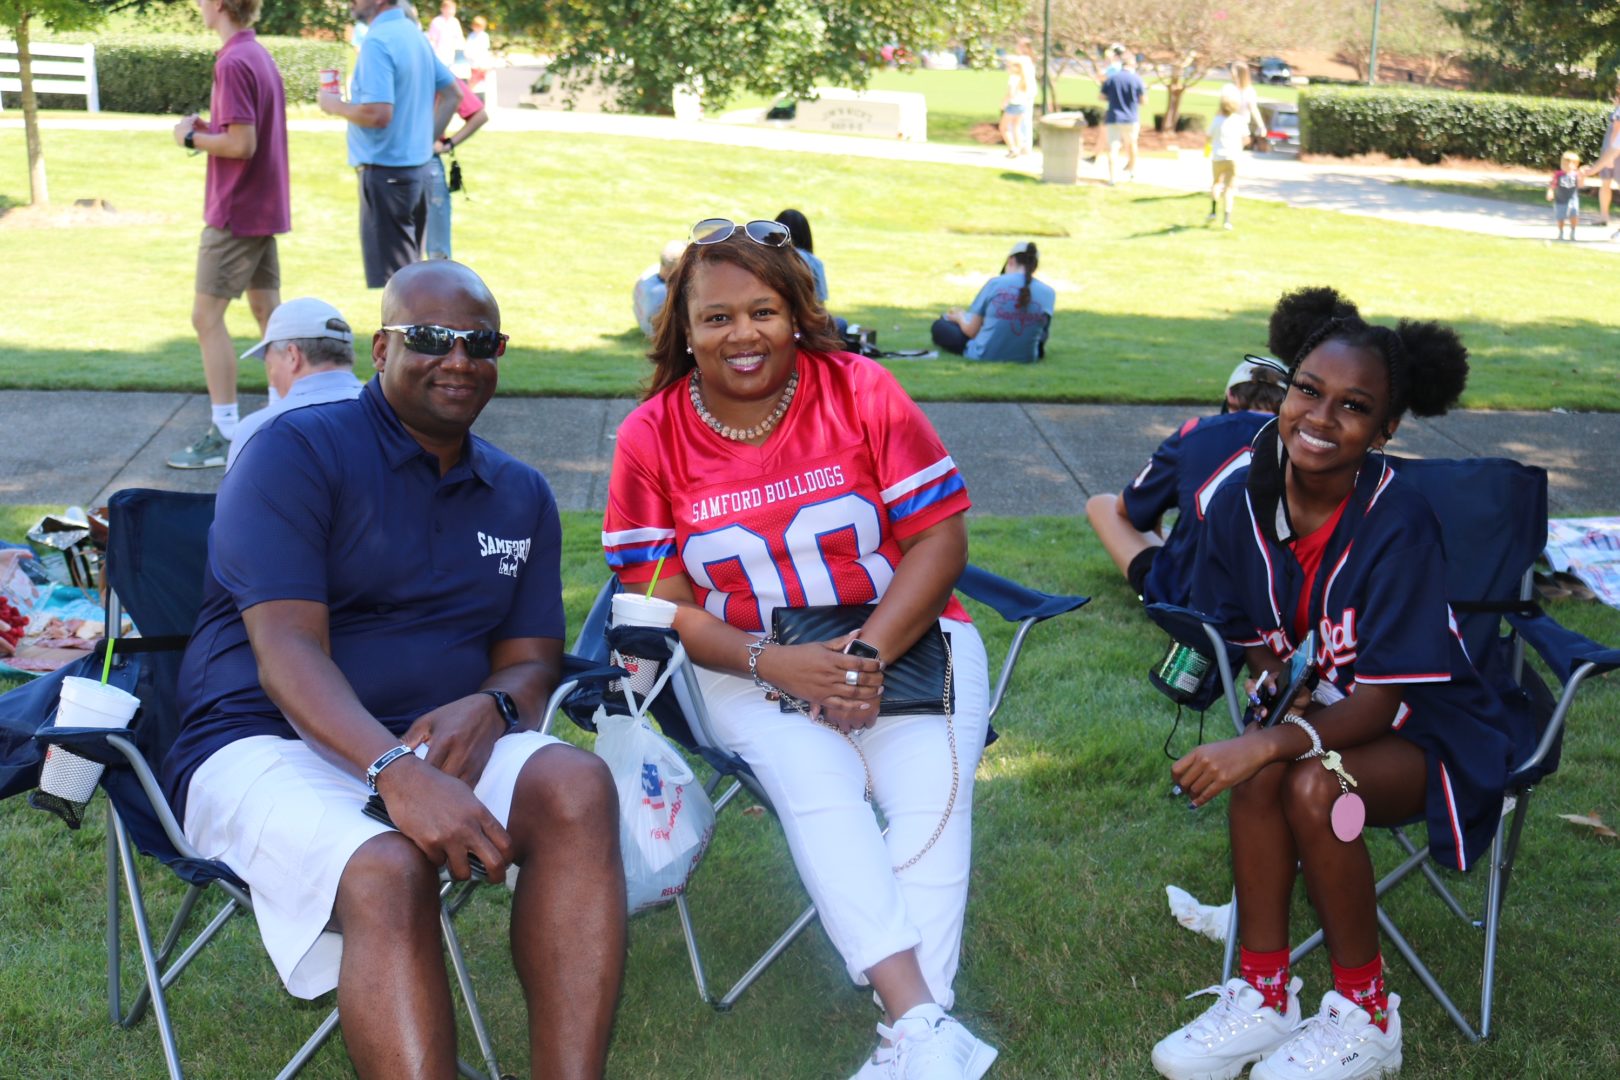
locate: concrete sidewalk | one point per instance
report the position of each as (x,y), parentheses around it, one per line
(78,447)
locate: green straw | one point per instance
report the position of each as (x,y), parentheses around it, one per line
(650,585)
(106,665)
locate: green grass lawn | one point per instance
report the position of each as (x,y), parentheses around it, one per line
(1072,964)
(1151,306)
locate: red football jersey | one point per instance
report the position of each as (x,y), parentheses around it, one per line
(812,517)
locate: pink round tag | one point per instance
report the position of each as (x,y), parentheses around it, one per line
(1349,816)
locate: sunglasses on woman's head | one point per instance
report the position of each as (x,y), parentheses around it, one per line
(431,340)
(718,229)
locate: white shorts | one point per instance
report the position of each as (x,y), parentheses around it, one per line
(287,822)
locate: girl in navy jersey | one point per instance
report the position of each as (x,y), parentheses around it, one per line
(1321,535)
(768,469)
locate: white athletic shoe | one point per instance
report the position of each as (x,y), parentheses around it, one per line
(926,1044)
(1236,1031)
(1339,1043)
(876,1067)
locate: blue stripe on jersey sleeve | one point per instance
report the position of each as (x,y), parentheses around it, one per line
(619,558)
(923,499)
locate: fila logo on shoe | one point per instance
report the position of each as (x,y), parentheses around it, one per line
(1347,1060)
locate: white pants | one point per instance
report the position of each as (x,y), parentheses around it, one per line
(816,782)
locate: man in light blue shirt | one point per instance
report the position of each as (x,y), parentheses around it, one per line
(308,353)
(397,83)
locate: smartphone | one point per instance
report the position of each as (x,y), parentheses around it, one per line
(375,810)
(1301,666)
(857,647)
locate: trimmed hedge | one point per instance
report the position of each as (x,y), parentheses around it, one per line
(1431,124)
(173,73)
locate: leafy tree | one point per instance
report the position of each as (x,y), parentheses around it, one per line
(22,18)
(1423,33)
(1546,46)
(643,51)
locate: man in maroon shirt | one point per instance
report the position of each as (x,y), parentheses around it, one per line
(245,204)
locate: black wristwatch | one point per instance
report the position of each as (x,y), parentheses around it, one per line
(191,141)
(508,707)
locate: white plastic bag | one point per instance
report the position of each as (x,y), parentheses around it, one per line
(665,817)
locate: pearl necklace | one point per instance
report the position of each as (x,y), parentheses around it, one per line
(742,434)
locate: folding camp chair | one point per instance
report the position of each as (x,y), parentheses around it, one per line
(687,721)
(155,567)
(1493,519)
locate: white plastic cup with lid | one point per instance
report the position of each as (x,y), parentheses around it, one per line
(84,703)
(634,609)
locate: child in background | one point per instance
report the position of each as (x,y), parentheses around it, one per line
(1564,192)
(1225,146)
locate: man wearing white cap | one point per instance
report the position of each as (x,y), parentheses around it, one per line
(308,353)
(1184,474)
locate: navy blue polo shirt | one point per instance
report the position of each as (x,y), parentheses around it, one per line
(1184,473)
(421,574)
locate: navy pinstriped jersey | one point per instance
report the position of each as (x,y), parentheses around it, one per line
(1381,617)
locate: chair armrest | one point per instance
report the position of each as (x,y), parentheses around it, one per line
(1012,601)
(1563,650)
(1018,604)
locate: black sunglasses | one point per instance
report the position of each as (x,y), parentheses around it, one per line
(718,229)
(431,340)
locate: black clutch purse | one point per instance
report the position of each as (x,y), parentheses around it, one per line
(917,682)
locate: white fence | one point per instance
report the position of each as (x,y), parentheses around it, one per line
(58,69)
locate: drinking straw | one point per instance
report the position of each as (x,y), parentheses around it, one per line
(106,665)
(656,571)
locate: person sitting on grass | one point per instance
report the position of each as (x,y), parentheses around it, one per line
(1008,320)
(1321,534)
(1183,475)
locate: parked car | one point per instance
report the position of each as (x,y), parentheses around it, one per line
(1273,70)
(1282,127)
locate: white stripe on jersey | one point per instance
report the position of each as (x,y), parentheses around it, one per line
(1271,572)
(917,479)
(1207,493)
(635,536)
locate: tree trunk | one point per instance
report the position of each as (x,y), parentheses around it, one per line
(38,194)
(1172,111)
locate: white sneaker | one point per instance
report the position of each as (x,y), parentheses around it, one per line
(1236,1031)
(928,1045)
(876,1067)
(1339,1043)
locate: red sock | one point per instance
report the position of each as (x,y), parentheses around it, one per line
(1364,985)
(1267,972)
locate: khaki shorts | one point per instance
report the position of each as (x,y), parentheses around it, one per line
(1225,171)
(228,264)
(1122,134)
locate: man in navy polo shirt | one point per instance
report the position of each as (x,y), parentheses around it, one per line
(381,581)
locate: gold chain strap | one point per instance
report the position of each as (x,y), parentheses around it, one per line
(950,738)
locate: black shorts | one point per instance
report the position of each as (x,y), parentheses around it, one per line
(393,219)
(1137,572)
